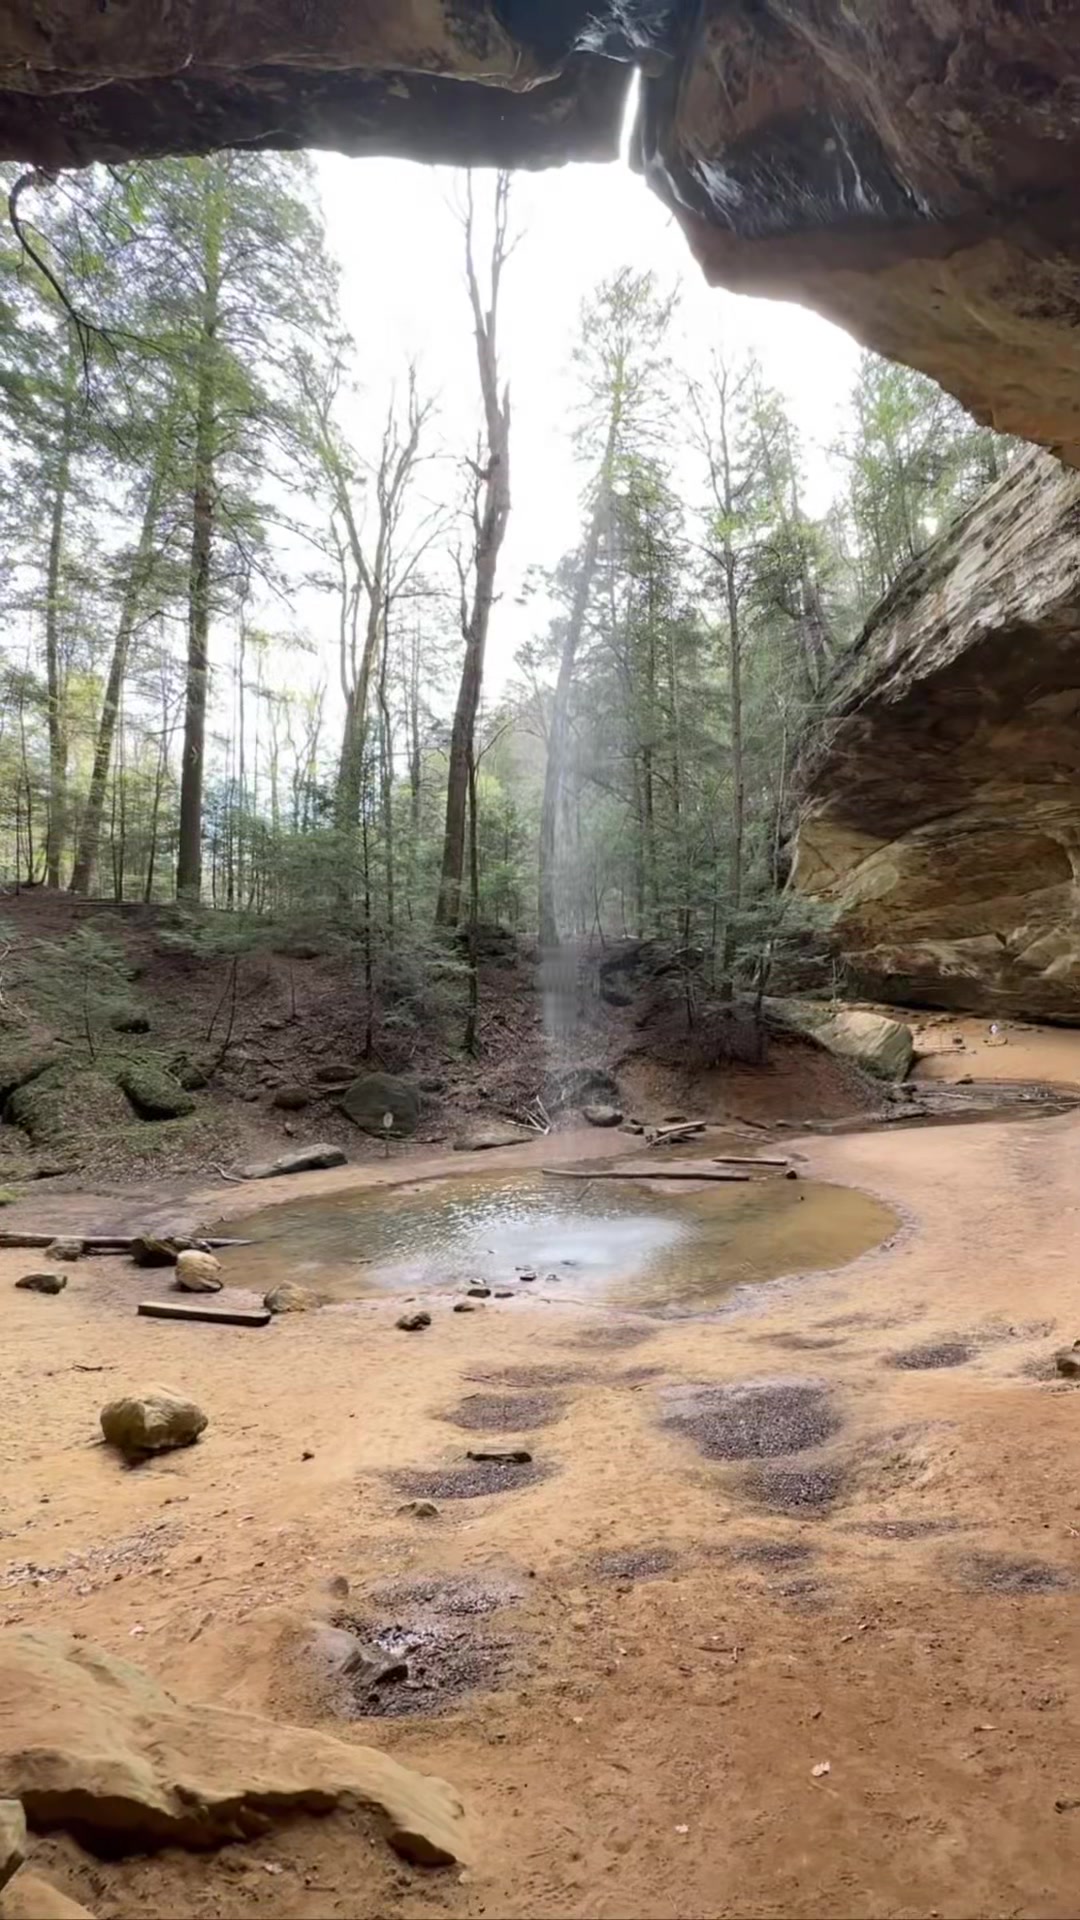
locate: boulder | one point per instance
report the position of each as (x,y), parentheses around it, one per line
(291,1099)
(65,1248)
(198,1272)
(20,1063)
(93,1745)
(64,1104)
(154,1093)
(12,1839)
(42,1282)
(939,802)
(413,1322)
(374,1095)
(152,1422)
(300,1160)
(287,1297)
(29,1897)
(603,1116)
(873,1041)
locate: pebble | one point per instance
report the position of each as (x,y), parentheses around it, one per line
(420,1509)
(43,1282)
(460,1306)
(413,1322)
(479,1292)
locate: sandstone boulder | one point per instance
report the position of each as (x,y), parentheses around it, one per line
(288,1297)
(29,1897)
(374,1095)
(484,1139)
(599,1115)
(12,1839)
(93,1745)
(872,1041)
(302,1160)
(198,1272)
(153,1422)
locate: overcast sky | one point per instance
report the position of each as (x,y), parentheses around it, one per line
(393,227)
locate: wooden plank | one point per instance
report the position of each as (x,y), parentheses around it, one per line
(748,1160)
(191,1310)
(100,1242)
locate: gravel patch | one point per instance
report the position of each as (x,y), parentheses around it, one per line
(770,1555)
(470,1481)
(755,1419)
(634,1563)
(947,1353)
(506,1413)
(800,1490)
(997,1573)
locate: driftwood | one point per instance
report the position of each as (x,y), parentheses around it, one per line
(643,1173)
(99,1242)
(669,1136)
(189,1310)
(749,1160)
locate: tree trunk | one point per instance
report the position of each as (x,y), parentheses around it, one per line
(491,510)
(54,675)
(138,576)
(189,850)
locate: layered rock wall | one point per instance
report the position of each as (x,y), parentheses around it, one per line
(941,799)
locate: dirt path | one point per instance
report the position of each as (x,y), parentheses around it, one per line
(683,1639)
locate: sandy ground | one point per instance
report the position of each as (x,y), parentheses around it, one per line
(950,1047)
(649,1748)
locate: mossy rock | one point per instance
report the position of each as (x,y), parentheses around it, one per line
(66,1103)
(128,1018)
(192,1072)
(21,1063)
(374,1095)
(154,1093)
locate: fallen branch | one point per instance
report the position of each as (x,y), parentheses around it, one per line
(669,1136)
(99,1242)
(236,1178)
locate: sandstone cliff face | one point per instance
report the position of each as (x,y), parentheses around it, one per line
(941,808)
(907,168)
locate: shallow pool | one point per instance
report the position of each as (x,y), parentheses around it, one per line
(582,1240)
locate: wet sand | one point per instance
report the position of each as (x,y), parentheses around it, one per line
(690,1633)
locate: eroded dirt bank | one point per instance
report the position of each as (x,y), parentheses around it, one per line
(674,1641)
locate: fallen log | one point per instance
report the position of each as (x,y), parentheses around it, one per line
(98,1242)
(669,1136)
(643,1173)
(191,1310)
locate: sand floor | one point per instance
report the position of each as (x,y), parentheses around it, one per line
(680,1640)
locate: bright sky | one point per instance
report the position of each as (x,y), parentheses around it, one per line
(393,226)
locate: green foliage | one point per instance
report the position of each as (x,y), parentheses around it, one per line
(78,983)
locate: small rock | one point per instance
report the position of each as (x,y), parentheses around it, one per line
(1066,1359)
(420,1509)
(820,1769)
(504,1293)
(337,1586)
(479,1292)
(966,1080)
(374,1668)
(43,1282)
(460,1306)
(290,1298)
(153,1422)
(791,1173)
(631,1126)
(198,1272)
(527,1274)
(65,1249)
(291,1099)
(148,1251)
(413,1322)
(307,1454)
(602,1116)
(12,1839)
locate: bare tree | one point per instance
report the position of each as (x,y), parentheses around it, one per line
(490,510)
